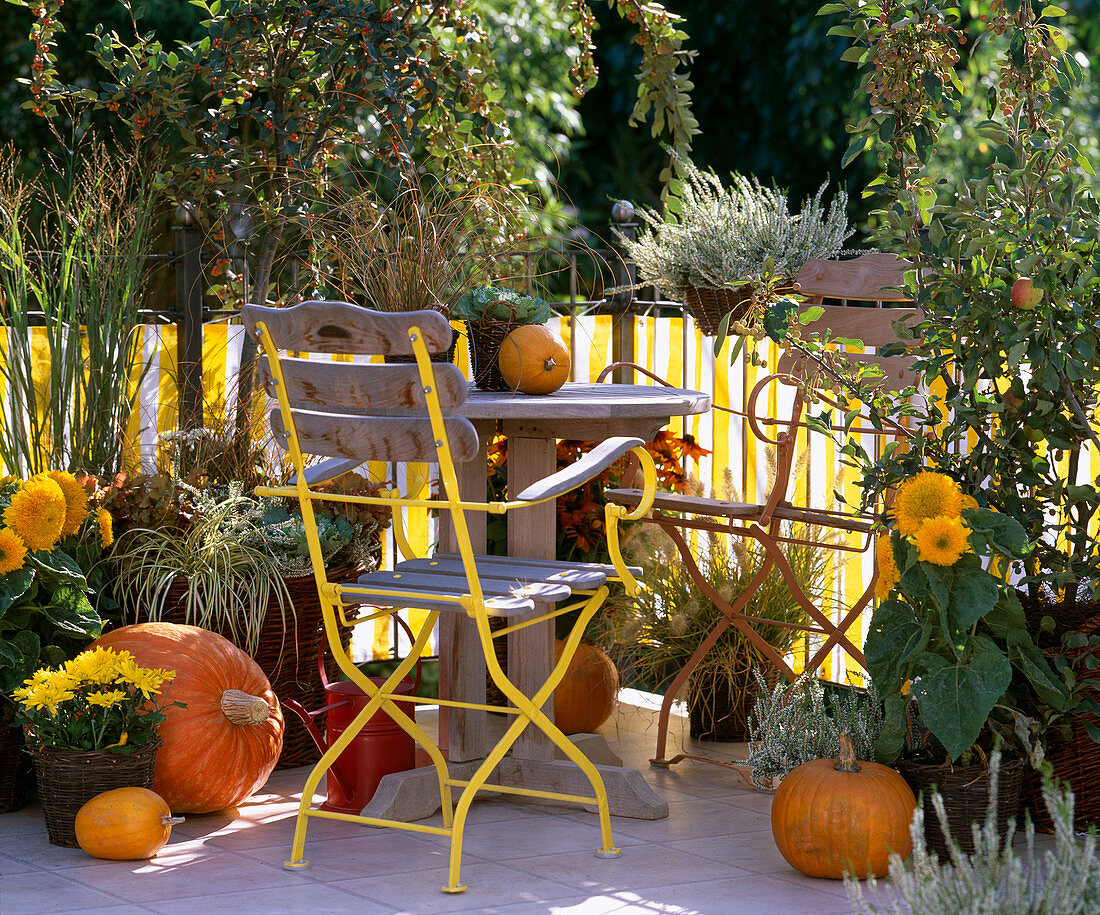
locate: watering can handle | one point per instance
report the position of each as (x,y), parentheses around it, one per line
(408,632)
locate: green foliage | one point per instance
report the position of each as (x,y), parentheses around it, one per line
(1016,416)
(795,723)
(499,303)
(75,252)
(995,879)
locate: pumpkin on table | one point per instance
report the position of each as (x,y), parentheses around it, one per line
(829,816)
(586,695)
(223,746)
(534,360)
(124,824)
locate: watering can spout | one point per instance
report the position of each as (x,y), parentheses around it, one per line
(308,717)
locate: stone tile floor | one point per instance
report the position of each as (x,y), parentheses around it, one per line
(714,854)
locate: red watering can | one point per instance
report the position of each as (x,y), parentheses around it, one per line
(380,748)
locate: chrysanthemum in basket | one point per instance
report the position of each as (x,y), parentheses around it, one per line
(52,534)
(948,635)
(100,700)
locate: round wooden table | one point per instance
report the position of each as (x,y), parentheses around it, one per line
(533,426)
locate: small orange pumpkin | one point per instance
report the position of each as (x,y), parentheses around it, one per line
(124,824)
(534,360)
(832,815)
(585,697)
(222,747)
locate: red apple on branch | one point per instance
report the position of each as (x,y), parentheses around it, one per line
(1025,294)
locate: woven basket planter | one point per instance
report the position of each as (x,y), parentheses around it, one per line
(965,792)
(486,338)
(709,305)
(68,779)
(288,656)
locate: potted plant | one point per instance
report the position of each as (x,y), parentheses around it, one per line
(210,555)
(91,724)
(51,537)
(728,249)
(491,313)
(949,651)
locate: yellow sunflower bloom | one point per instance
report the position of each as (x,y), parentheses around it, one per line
(37,512)
(887,569)
(13,551)
(106,527)
(969,502)
(926,495)
(942,540)
(76,501)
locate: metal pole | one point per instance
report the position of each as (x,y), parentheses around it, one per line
(189,289)
(622,331)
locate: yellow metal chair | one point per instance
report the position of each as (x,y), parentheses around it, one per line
(352,412)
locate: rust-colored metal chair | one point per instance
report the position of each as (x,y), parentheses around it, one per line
(871,280)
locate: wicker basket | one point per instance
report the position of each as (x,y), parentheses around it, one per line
(1076,758)
(287,656)
(709,305)
(965,792)
(67,779)
(485,338)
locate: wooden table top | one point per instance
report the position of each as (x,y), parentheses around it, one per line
(586,401)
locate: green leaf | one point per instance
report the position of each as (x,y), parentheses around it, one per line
(1003,532)
(891,738)
(19,656)
(70,611)
(894,637)
(811,314)
(854,54)
(777,318)
(955,699)
(855,148)
(973,594)
(13,586)
(58,563)
(1031,662)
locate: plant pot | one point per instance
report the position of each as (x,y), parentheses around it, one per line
(67,779)
(485,339)
(710,304)
(965,792)
(719,702)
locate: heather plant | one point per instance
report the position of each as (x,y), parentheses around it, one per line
(794,723)
(995,879)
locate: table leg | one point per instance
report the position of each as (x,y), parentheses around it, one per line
(532,533)
(461,664)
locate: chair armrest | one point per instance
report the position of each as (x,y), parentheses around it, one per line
(328,469)
(591,465)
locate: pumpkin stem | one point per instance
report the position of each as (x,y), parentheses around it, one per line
(847,761)
(167,820)
(549,365)
(241,708)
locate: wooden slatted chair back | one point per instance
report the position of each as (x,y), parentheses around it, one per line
(357,410)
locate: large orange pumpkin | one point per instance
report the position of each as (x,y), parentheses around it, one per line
(223,746)
(534,360)
(124,824)
(831,815)
(584,698)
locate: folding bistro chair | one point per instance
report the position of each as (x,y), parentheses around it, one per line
(352,412)
(870,279)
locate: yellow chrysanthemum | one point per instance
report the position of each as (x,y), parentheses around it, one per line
(927,495)
(942,540)
(37,512)
(76,501)
(887,569)
(13,551)
(106,699)
(106,527)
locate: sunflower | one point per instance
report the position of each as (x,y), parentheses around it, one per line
(37,512)
(76,501)
(13,551)
(106,527)
(942,540)
(969,502)
(927,495)
(887,569)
